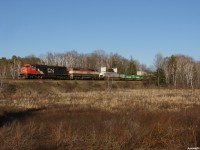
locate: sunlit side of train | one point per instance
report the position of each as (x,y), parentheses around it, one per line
(34,71)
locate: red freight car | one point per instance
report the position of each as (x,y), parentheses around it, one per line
(81,73)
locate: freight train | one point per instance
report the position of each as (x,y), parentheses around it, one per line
(35,71)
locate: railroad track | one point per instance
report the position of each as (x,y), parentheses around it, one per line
(66,81)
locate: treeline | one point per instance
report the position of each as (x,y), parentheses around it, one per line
(177,71)
(9,68)
(94,60)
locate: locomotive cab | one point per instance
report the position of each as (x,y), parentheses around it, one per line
(29,71)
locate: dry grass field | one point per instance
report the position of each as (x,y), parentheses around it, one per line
(97,115)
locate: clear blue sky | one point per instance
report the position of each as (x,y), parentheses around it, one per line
(137,28)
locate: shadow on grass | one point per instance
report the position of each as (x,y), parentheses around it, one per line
(10,116)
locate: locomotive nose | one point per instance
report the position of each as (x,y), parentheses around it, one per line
(23,70)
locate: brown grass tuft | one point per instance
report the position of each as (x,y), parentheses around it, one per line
(57,118)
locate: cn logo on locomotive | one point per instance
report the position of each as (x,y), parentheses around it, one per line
(50,70)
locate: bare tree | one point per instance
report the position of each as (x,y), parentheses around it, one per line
(158,63)
(18,67)
(197,76)
(72,59)
(60,59)
(44,59)
(166,70)
(189,73)
(3,70)
(173,69)
(51,59)
(13,69)
(99,59)
(179,70)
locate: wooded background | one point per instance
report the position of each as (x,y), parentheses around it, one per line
(176,70)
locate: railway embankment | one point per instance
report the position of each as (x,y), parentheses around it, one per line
(42,86)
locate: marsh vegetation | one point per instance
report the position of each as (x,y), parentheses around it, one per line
(57,115)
